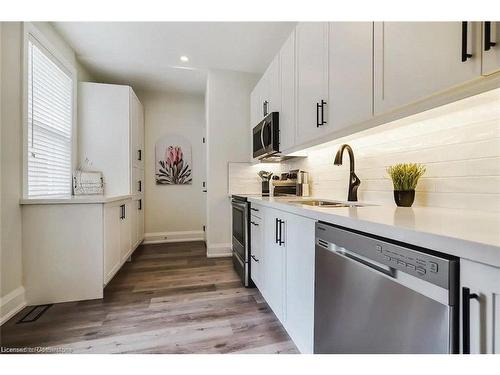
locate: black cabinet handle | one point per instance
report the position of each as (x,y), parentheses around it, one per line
(265,108)
(254,209)
(321,106)
(466,297)
(323,122)
(281,233)
(122,212)
(140,204)
(254,223)
(465,55)
(276,231)
(140,186)
(487,36)
(254,258)
(139,157)
(317,115)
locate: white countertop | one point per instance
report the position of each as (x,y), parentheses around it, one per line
(80,199)
(469,234)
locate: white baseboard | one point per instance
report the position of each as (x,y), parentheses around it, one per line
(219,250)
(167,237)
(11,304)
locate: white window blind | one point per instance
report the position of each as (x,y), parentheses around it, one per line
(50,120)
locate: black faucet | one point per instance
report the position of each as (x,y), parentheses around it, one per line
(354,181)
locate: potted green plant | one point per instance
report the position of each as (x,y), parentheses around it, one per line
(404,179)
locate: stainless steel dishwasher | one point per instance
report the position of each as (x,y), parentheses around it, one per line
(373,295)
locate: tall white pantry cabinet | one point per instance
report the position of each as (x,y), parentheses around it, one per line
(111,140)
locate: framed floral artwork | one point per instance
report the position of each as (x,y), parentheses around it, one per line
(173,161)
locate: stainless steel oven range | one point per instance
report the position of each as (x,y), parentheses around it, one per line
(241,238)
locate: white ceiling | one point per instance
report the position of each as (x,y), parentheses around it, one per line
(146,54)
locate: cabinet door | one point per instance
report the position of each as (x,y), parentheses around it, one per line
(485,311)
(350,74)
(312,79)
(273,81)
(136,181)
(414,60)
(256,114)
(288,103)
(138,153)
(274,262)
(140,219)
(134,128)
(490,52)
(134,223)
(300,250)
(112,255)
(125,232)
(256,250)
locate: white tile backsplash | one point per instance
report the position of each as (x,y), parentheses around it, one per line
(459,144)
(244,178)
(460,148)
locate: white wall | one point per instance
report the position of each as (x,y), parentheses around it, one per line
(228,121)
(11,284)
(459,144)
(12,292)
(174,211)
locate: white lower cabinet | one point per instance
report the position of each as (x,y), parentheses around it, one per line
(299,281)
(112,256)
(483,281)
(274,262)
(117,236)
(285,273)
(490,46)
(125,231)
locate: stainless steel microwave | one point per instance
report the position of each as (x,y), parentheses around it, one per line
(266,137)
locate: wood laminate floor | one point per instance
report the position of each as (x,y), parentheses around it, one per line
(169,299)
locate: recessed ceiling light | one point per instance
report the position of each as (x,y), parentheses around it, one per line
(184,59)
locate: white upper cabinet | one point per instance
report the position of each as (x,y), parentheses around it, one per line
(256,112)
(414,60)
(287,76)
(111,134)
(350,74)
(273,86)
(312,80)
(490,47)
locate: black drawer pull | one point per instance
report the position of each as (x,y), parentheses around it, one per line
(140,204)
(465,55)
(466,297)
(487,36)
(254,209)
(254,258)
(276,231)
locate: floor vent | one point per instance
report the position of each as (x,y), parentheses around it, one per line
(34,314)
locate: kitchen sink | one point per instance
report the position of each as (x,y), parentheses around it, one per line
(326,204)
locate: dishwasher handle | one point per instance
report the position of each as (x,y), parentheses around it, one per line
(386,270)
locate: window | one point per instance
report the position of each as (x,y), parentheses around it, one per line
(50,124)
